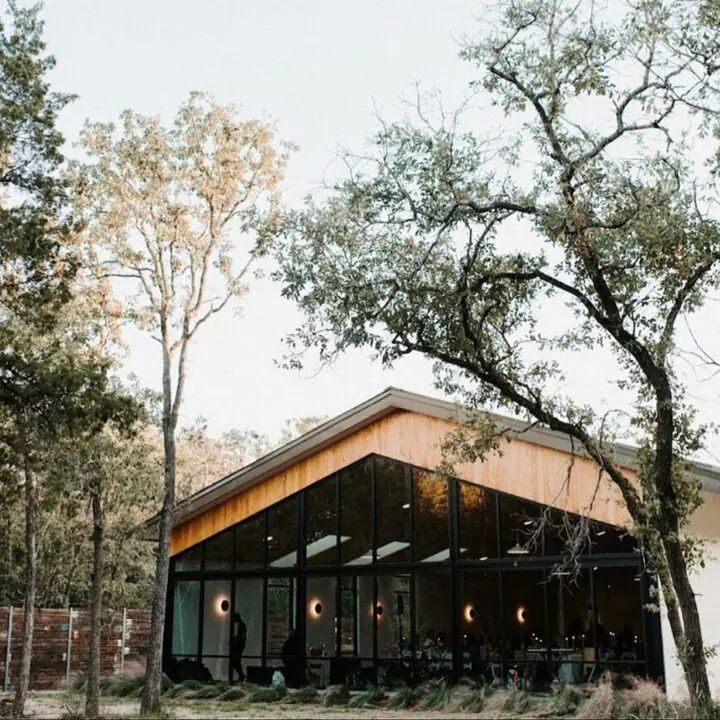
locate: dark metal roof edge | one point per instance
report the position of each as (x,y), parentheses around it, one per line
(378,406)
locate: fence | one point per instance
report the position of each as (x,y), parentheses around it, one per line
(61,641)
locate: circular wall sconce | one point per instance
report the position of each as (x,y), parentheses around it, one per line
(521,615)
(379,610)
(470,613)
(315,607)
(221,605)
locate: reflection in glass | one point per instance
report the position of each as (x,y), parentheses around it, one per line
(216,626)
(282,534)
(480,623)
(321,533)
(186,617)
(219,551)
(348,615)
(433,620)
(432,536)
(393,612)
(250,543)
(280,613)
(321,617)
(356,514)
(249,606)
(523,611)
(518,521)
(611,539)
(392,489)
(189,560)
(478,522)
(618,601)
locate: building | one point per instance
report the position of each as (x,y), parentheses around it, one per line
(344,555)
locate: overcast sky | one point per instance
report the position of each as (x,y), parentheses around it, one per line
(319,68)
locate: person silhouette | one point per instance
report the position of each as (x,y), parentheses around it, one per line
(238,640)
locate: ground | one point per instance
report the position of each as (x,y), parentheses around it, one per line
(55,704)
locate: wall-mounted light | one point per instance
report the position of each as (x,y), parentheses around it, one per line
(221,605)
(315,607)
(521,615)
(470,613)
(379,610)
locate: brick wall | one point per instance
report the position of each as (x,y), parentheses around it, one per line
(50,644)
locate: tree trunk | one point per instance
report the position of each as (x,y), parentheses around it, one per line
(689,644)
(30,589)
(150,699)
(92,697)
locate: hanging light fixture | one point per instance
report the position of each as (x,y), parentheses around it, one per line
(517,549)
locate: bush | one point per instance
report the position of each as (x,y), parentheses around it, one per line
(231,694)
(565,701)
(336,695)
(404,697)
(372,696)
(208,692)
(600,704)
(518,702)
(307,694)
(435,695)
(644,699)
(268,694)
(467,697)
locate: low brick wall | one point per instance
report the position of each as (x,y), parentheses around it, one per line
(50,644)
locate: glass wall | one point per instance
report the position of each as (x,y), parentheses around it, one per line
(387,573)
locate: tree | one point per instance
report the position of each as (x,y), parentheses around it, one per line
(161,207)
(468,248)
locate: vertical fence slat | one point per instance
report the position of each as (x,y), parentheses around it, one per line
(8,652)
(68,656)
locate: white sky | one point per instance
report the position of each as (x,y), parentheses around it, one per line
(317,67)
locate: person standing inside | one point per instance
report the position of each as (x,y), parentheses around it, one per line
(238,640)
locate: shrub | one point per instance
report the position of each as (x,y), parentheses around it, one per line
(404,697)
(372,696)
(565,701)
(600,704)
(307,694)
(231,694)
(268,694)
(468,697)
(208,692)
(436,695)
(336,695)
(644,699)
(518,702)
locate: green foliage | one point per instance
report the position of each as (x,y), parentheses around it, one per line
(304,695)
(565,701)
(274,693)
(404,697)
(440,242)
(336,695)
(372,696)
(436,695)
(232,694)
(519,702)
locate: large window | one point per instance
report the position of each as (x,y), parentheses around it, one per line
(321,524)
(356,514)
(186,617)
(393,509)
(219,551)
(431,518)
(250,543)
(477,522)
(216,628)
(519,527)
(398,574)
(282,534)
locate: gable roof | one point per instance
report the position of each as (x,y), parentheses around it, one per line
(388,401)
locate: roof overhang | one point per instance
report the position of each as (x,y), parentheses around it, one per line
(381,405)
